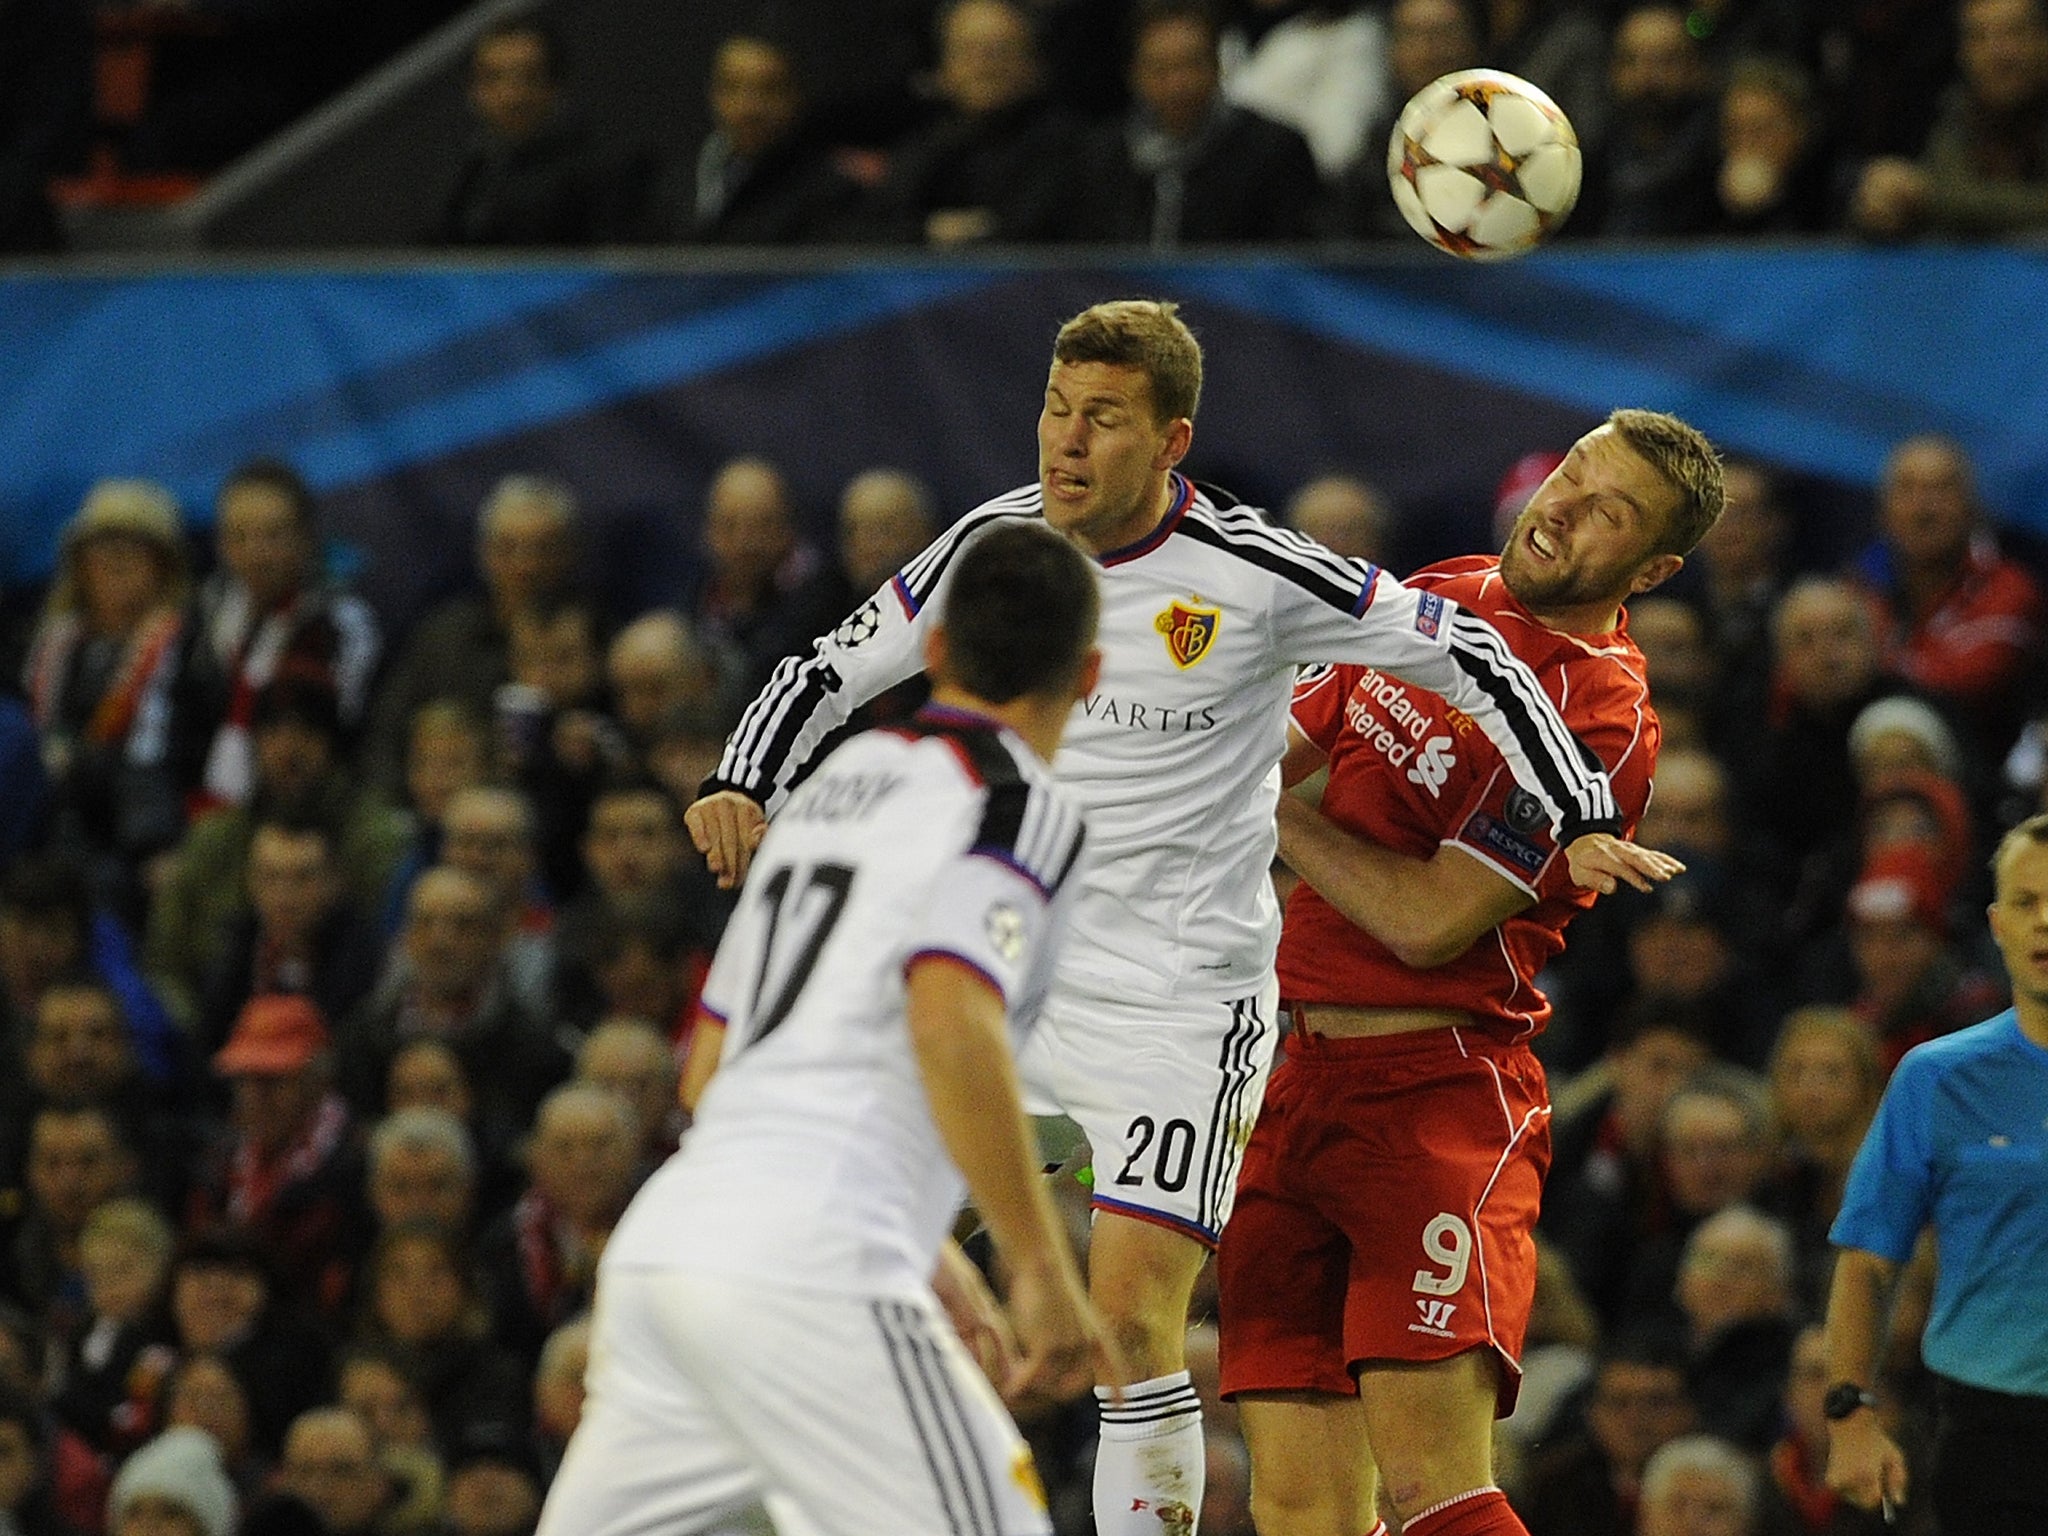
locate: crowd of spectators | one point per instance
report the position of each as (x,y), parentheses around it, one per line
(1161,123)
(346,979)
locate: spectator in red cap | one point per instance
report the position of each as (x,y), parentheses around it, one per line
(1914,982)
(291,1170)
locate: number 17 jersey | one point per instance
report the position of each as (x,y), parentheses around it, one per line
(814,1160)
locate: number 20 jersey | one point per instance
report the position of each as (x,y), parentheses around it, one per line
(814,1161)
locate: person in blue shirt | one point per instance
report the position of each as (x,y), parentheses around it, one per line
(1960,1144)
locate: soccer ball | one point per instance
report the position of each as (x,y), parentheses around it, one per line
(1483,164)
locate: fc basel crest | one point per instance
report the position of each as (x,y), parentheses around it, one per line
(1189,631)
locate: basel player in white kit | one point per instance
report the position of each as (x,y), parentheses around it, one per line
(765,1327)
(1161,1030)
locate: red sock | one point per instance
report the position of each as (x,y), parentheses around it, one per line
(1482,1512)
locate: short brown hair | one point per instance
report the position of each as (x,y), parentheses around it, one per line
(1146,334)
(1684,457)
(2031,833)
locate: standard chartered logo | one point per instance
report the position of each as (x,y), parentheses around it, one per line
(1433,766)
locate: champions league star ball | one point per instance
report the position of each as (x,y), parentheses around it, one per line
(1483,165)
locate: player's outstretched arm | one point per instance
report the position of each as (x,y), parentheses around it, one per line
(727,827)
(1426,911)
(1603,862)
(1865,1465)
(958,1032)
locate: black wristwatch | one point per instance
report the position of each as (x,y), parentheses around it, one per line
(1844,1399)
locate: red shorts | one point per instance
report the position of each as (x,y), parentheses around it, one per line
(1387,1211)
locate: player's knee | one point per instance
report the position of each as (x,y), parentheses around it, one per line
(1151,1340)
(1298,1506)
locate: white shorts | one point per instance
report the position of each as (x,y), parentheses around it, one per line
(1166,1099)
(711,1395)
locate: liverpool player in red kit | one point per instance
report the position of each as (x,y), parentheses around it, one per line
(1378,1272)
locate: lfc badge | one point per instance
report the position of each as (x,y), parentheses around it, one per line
(1189,631)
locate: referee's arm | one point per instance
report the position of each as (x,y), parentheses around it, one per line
(1865,1464)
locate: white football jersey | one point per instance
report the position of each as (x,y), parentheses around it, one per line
(813,1159)
(1174,755)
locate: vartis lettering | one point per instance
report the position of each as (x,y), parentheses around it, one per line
(1133,716)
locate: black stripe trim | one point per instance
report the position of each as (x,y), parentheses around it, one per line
(951,1390)
(922,576)
(896,1349)
(1246,525)
(949,1435)
(1308,578)
(1233,1149)
(1233,1064)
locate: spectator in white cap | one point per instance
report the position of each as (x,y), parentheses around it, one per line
(173,1486)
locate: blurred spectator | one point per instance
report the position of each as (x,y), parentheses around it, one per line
(1346,514)
(45,109)
(656,666)
(300,933)
(422,1168)
(886,517)
(223,1302)
(291,1169)
(765,592)
(531,176)
(204,1392)
(1742,559)
(21,770)
(1684,673)
(267,611)
(558,1390)
(453,988)
(1652,173)
(1322,70)
(1558,1355)
(998,163)
(489,832)
(1426,40)
(423,1307)
(1799,785)
(1686,947)
(109,1386)
(173,1486)
(27,1507)
(557,745)
(109,682)
(1735,1291)
(1714,1151)
(372,1382)
(1699,1485)
(425,1073)
(494,1484)
(540,1259)
(526,551)
(762,175)
(1187,167)
(77,1159)
(449,748)
(1887,63)
(633,1058)
(1590,1483)
(1984,169)
(1605,1186)
(296,729)
(1913,982)
(330,1463)
(1775,171)
(1962,623)
(1825,1080)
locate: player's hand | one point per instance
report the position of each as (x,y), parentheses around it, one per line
(1602,862)
(726,827)
(1062,1347)
(972,1309)
(1865,1465)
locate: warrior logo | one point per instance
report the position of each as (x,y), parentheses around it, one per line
(1189,631)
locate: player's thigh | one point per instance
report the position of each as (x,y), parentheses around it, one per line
(863,1413)
(1312,1471)
(1283,1268)
(650,1455)
(1430,1424)
(1167,1093)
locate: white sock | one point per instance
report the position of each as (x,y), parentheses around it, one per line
(1149,1467)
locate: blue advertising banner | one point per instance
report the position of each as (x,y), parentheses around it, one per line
(403,393)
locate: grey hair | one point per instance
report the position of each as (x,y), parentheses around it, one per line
(1709,1455)
(424,1129)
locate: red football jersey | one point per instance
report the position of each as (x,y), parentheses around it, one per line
(1411,773)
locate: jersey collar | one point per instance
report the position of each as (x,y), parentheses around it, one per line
(1183,498)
